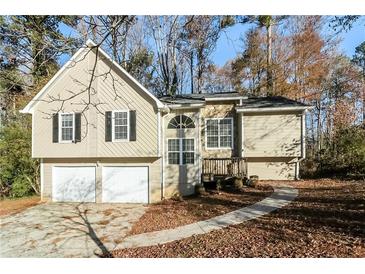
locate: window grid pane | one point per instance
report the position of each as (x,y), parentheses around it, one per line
(212,141)
(121,132)
(66,134)
(188,145)
(174,151)
(181,153)
(174,145)
(212,133)
(188,158)
(121,125)
(66,127)
(219,133)
(225,130)
(174,158)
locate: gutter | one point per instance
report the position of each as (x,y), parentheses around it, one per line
(162,174)
(226,98)
(271,109)
(186,106)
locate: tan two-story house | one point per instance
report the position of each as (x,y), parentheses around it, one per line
(103,137)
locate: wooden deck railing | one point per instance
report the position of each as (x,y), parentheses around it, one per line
(229,167)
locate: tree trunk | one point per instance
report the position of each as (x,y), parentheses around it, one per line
(319,130)
(192,71)
(124,49)
(269,58)
(363,94)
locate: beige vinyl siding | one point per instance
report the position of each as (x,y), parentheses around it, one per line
(181,179)
(272,134)
(110,91)
(153,164)
(125,95)
(272,168)
(70,82)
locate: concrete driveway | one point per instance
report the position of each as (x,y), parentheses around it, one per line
(66,229)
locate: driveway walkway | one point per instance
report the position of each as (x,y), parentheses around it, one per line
(281,197)
(66,230)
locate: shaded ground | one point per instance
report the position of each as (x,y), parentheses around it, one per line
(11,206)
(66,229)
(173,213)
(326,220)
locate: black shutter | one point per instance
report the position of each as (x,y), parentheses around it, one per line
(77,127)
(132,125)
(108,126)
(55,128)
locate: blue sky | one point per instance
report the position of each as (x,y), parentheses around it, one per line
(229,43)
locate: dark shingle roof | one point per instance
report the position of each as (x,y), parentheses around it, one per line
(269,102)
(196,97)
(247,102)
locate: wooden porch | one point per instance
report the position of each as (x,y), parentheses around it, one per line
(213,168)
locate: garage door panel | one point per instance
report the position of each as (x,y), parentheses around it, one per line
(73,184)
(125,184)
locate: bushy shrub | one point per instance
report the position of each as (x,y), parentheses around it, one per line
(343,155)
(238,184)
(21,187)
(19,173)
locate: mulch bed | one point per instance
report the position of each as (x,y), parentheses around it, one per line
(173,213)
(326,220)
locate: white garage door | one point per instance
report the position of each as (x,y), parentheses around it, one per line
(73,184)
(125,184)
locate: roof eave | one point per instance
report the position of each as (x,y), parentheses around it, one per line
(212,99)
(272,109)
(186,106)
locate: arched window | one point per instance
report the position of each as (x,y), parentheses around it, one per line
(181,121)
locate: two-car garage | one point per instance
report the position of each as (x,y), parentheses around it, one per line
(119,184)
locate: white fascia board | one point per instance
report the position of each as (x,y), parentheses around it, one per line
(272,109)
(187,106)
(225,98)
(159,104)
(29,107)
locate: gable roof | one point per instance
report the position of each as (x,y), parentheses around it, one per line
(89,44)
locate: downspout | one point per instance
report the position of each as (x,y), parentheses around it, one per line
(161,134)
(42,178)
(199,146)
(302,147)
(161,150)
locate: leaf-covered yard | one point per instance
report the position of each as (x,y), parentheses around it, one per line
(326,220)
(173,213)
(12,206)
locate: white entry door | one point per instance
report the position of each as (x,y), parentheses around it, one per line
(73,184)
(125,184)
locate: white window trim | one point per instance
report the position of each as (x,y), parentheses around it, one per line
(60,128)
(219,143)
(180,151)
(113,128)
